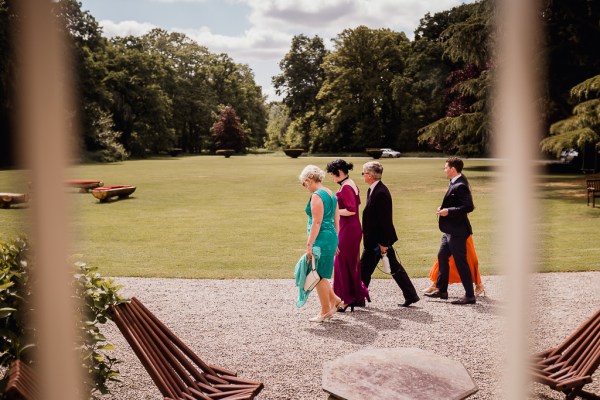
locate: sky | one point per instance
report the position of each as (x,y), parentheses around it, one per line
(259,32)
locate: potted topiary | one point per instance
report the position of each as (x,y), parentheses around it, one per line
(374,152)
(225,152)
(294,153)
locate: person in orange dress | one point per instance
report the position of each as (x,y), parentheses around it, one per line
(454,277)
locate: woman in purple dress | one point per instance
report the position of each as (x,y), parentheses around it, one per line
(347,282)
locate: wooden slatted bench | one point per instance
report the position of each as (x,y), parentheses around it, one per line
(176,370)
(593,191)
(569,367)
(22,383)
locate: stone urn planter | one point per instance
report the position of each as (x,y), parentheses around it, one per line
(225,152)
(294,153)
(174,151)
(375,153)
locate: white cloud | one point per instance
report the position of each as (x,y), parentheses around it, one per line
(273,23)
(125,28)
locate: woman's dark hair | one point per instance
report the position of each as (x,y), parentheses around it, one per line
(339,165)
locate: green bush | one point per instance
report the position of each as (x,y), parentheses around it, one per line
(95,295)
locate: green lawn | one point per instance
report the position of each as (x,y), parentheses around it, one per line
(243,217)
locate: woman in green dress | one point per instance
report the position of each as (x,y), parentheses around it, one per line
(323,220)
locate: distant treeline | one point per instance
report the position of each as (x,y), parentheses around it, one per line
(379,89)
(376,88)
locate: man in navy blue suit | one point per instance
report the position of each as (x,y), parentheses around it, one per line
(456,228)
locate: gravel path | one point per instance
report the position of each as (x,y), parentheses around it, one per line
(253,326)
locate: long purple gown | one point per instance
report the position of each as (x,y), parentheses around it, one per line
(347,282)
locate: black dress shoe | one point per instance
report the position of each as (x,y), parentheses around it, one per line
(438,295)
(465,300)
(407,303)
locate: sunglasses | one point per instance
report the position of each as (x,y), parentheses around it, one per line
(365,173)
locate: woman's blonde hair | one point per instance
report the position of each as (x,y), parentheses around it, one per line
(311,172)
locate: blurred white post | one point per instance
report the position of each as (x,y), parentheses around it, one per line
(516,133)
(44,102)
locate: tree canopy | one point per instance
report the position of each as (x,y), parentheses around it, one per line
(141,95)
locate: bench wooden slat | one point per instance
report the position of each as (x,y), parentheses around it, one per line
(176,370)
(22,382)
(593,191)
(570,366)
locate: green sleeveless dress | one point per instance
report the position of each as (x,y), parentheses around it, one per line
(327,240)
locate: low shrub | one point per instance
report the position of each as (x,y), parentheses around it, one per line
(95,294)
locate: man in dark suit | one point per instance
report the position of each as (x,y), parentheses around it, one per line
(456,228)
(379,233)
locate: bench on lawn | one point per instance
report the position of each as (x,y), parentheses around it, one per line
(22,382)
(6,199)
(104,193)
(570,366)
(84,185)
(593,191)
(176,370)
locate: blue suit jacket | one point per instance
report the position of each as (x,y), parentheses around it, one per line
(459,202)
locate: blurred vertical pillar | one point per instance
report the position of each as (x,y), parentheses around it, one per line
(516,135)
(44,104)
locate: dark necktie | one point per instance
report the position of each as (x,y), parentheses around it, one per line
(368,194)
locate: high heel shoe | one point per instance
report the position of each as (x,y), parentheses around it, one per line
(331,312)
(341,306)
(343,309)
(319,318)
(479,290)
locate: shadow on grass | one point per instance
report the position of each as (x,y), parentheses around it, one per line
(482,168)
(117,200)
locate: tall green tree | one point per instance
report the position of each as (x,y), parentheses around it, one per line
(186,84)
(140,106)
(7,71)
(572,34)
(581,130)
(89,58)
(466,43)
(234,85)
(277,126)
(360,107)
(299,82)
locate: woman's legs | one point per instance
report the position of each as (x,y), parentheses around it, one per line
(327,297)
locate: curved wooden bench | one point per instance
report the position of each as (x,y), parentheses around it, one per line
(6,199)
(104,193)
(84,185)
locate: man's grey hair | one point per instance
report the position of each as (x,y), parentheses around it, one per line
(374,168)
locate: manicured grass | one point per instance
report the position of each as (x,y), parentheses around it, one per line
(243,217)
